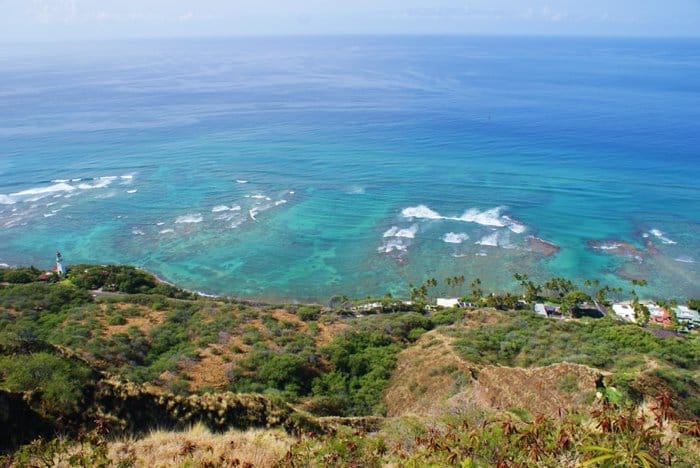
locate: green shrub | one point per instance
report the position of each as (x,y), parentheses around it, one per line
(308,313)
(19,275)
(59,381)
(116,320)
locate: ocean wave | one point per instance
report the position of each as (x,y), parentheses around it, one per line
(237,222)
(408,233)
(685,259)
(137,232)
(393,245)
(241,181)
(496,239)
(102,182)
(609,246)
(132,191)
(490,240)
(420,212)
(491,217)
(455,237)
(220,208)
(189,219)
(166,231)
(59,188)
(661,236)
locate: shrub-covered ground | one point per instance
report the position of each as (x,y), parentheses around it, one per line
(60,339)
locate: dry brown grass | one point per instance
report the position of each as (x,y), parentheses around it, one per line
(210,370)
(200,447)
(537,390)
(430,379)
(426,376)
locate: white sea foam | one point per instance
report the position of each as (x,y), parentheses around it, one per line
(514,225)
(253,212)
(237,222)
(391,232)
(48,215)
(280,202)
(137,232)
(7,200)
(241,181)
(661,236)
(491,217)
(189,219)
(160,224)
(609,246)
(490,240)
(685,259)
(220,208)
(60,187)
(132,191)
(481,254)
(455,237)
(420,212)
(408,233)
(166,231)
(393,244)
(102,182)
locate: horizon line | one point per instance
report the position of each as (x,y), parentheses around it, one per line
(349,35)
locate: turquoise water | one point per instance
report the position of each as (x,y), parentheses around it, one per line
(302,168)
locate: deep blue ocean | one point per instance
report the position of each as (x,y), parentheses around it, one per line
(300,168)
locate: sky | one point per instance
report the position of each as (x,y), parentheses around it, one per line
(57,20)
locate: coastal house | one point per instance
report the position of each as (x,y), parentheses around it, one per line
(686,316)
(448,302)
(368,307)
(590,309)
(547,310)
(540,309)
(625,311)
(658,315)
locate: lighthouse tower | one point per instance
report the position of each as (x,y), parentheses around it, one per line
(60,268)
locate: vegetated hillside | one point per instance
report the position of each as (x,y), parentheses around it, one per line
(85,361)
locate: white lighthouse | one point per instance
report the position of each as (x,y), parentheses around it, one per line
(60,269)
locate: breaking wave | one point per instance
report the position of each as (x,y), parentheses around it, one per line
(408,233)
(189,219)
(661,236)
(490,218)
(455,237)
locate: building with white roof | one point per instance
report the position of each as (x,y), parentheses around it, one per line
(448,302)
(625,311)
(687,316)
